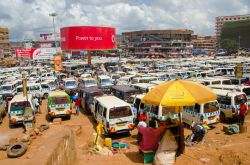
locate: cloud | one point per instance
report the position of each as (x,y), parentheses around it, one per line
(29,18)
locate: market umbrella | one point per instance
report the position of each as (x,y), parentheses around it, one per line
(179,93)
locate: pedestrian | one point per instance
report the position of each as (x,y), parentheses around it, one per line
(141,124)
(242,112)
(150,137)
(77,105)
(143,116)
(37,105)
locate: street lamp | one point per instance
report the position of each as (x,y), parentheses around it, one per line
(53,15)
(239,41)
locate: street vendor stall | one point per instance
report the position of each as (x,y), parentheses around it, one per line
(178,93)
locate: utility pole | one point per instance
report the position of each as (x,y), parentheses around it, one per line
(53,15)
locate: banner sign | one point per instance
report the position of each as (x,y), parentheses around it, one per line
(88,38)
(58,63)
(36,54)
(24,53)
(239,70)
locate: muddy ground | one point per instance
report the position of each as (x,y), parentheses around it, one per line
(218,147)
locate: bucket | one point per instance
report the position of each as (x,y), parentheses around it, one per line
(108,142)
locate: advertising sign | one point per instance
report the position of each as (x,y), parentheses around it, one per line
(88,38)
(46,44)
(48,37)
(24,53)
(45,53)
(239,70)
(58,63)
(36,54)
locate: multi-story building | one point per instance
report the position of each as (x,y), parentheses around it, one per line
(204,43)
(158,42)
(4,42)
(222,19)
(239,31)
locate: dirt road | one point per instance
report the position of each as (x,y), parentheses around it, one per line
(218,148)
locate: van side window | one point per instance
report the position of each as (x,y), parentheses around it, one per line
(44,86)
(1,100)
(190,108)
(197,108)
(100,109)
(154,110)
(96,106)
(224,100)
(104,112)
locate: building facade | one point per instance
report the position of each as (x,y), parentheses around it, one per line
(239,31)
(4,42)
(220,21)
(157,42)
(204,43)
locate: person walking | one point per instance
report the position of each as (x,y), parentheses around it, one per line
(242,113)
(37,105)
(77,105)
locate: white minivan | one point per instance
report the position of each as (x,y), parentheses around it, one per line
(17,106)
(115,114)
(229,102)
(207,113)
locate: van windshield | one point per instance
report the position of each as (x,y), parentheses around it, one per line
(34,88)
(106,81)
(247,91)
(227,82)
(215,82)
(70,83)
(120,112)
(17,106)
(90,82)
(239,98)
(20,89)
(60,100)
(6,88)
(211,107)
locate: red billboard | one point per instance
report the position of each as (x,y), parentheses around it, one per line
(88,38)
(25,53)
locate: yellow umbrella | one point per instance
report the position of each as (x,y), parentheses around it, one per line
(179,93)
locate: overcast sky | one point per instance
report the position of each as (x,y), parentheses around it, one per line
(29,18)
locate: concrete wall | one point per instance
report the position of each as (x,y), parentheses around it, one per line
(58,148)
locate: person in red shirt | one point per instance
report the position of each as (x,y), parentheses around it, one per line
(150,137)
(143,116)
(77,105)
(243,111)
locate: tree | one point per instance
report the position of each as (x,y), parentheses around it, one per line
(229,44)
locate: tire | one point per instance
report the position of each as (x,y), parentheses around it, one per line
(68,117)
(16,150)
(43,127)
(49,118)
(222,117)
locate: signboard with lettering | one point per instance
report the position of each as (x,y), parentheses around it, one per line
(24,53)
(36,54)
(58,63)
(239,70)
(88,38)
